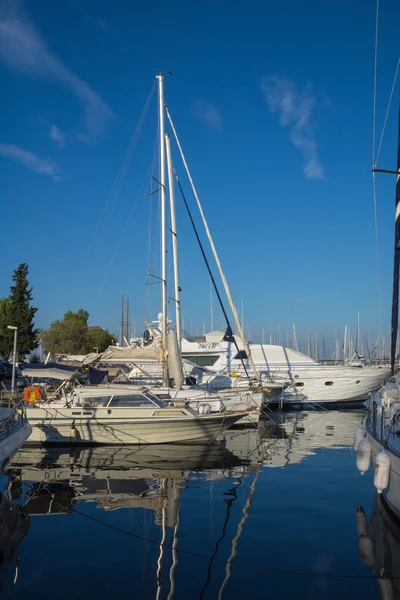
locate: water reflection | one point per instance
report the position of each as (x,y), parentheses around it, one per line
(14,525)
(210,500)
(379,546)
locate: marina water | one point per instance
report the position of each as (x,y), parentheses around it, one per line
(267,512)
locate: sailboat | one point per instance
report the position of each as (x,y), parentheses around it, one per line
(378,437)
(138,416)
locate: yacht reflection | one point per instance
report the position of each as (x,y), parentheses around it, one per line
(288,438)
(124,477)
(379,547)
(14,525)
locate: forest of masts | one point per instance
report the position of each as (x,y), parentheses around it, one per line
(350,346)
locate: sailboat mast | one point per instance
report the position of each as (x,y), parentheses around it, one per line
(162,178)
(174,241)
(395,301)
(215,253)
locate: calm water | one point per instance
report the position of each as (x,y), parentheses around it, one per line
(278,502)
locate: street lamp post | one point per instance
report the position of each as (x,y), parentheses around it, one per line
(15,329)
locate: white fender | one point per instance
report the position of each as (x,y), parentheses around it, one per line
(359,435)
(363,456)
(382,471)
(361,521)
(366,550)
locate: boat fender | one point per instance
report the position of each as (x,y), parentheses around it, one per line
(366,550)
(359,435)
(361,521)
(32,394)
(204,409)
(363,456)
(382,471)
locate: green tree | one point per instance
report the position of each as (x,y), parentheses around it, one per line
(99,338)
(4,332)
(73,335)
(17,310)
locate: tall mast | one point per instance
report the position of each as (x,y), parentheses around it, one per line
(211,308)
(174,241)
(127,322)
(395,300)
(122,321)
(161,131)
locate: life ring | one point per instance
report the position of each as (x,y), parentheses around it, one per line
(32,394)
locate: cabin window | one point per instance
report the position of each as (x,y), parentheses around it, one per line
(241,355)
(131,400)
(328,382)
(358,381)
(97,401)
(203,361)
(299,384)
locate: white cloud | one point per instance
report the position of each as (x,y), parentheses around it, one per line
(57,136)
(23,49)
(43,166)
(296,111)
(207,112)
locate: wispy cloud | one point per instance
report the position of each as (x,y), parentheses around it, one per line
(207,112)
(57,136)
(296,109)
(23,49)
(43,166)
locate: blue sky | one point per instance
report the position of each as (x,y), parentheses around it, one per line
(273,105)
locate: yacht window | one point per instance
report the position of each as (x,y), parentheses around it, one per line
(163,396)
(202,361)
(97,401)
(241,355)
(358,381)
(131,400)
(299,384)
(328,382)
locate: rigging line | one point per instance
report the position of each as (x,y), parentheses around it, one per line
(124,170)
(245,514)
(214,251)
(229,328)
(375,78)
(378,271)
(115,188)
(252,566)
(387,113)
(229,503)
(135,206)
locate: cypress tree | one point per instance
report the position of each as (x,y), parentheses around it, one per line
(22,313)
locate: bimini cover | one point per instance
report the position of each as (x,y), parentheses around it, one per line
(117,354)
(49,371)
(97,376)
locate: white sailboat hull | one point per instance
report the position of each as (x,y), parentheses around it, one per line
(392,493)
(84,426)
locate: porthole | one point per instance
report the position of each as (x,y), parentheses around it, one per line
(358,381)
(296,376)
(328,382)
(299,384)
